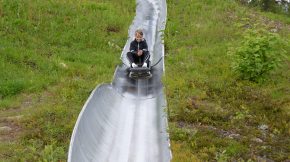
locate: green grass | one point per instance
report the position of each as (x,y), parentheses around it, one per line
(52,55)
(215,116)
(38,38)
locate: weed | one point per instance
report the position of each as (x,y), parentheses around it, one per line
(259,53)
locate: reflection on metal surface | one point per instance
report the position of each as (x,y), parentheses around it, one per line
(125,121)
(137,88)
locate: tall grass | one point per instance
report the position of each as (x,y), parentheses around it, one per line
(215,116)
(38,37)
(52,54)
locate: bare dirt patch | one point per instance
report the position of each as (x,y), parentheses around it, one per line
(10,118)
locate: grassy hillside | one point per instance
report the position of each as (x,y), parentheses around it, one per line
(52,54)
(213,114)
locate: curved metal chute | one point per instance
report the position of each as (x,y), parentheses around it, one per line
(125,120)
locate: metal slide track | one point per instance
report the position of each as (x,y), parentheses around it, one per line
(125,121)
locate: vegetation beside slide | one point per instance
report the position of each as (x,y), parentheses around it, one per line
(215,113)
(52,55)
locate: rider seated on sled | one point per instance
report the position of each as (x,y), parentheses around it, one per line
(139,54)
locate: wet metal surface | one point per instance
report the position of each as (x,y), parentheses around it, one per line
(140,88)
(125,121)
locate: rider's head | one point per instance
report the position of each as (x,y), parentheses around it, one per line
(139,35)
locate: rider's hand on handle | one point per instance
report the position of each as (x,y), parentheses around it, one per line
(140,52)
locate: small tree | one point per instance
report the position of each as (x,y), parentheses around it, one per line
(276,6)
(269,5)
(259,53)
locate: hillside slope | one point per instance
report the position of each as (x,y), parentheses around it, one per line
(52,55)
(214,115)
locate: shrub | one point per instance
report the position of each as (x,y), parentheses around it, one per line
(259,53)
(280,6)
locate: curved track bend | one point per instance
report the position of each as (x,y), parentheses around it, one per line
(125,121)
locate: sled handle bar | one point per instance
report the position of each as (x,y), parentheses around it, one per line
(157,62)
(151,66)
